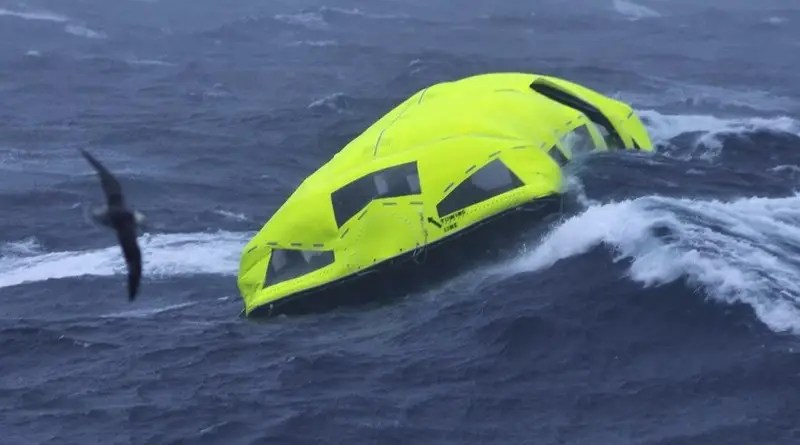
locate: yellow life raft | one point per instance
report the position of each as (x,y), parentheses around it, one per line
(444,162)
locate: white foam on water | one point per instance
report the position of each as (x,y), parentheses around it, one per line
(663,127)
(70,27)
(785,168)
(34,15)
(148,62)
(334,101)
(82,31)
(775,20)
(666,91)
(24,247)
(164,255)
(634,11)
(745,250)
(312,20)
(232,215)
(148,312)
(360,13)
(316,20)
(315,43)
(705,96)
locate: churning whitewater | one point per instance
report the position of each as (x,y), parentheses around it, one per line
(168,255)
(740,251)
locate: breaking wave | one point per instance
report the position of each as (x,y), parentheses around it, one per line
(740,251)
(663,127)
(708,131)
(163,255)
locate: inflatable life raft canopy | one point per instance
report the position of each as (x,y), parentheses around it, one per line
(447,159)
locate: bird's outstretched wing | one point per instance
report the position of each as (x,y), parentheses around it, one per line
(126,233)
(111,187)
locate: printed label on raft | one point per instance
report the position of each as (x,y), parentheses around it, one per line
(450,227)
(449,218)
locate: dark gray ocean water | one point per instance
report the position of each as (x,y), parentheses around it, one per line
(664,308)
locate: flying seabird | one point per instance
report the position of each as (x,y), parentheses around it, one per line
(124,221)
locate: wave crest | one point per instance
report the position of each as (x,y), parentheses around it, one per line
(742,251)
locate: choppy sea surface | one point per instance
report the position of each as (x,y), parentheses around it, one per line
(664,308)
